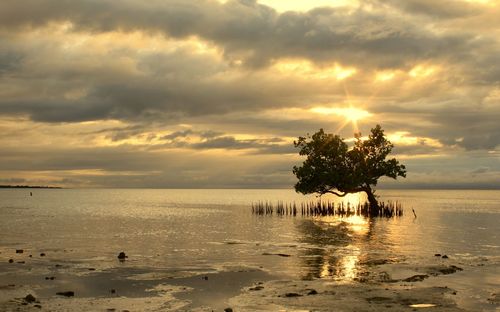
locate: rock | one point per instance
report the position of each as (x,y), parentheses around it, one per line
(21,262)
(113,291)
(37,306)
(228,310)
(444,257)
(283,255)
(256,288)
(438,270)
(122,256)
(42,254)
(276,254)
(450,270)
(19,250)
(66,293)
(312,292)
(204,278)
(416,278)
(29,298)
(289,295)
(494,299)
(437,255)
(11,260)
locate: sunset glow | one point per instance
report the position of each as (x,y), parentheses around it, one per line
(349,113)
(93,89)
(305,69)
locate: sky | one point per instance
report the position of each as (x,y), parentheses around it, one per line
(212,94)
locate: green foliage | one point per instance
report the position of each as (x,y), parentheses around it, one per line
(332,167)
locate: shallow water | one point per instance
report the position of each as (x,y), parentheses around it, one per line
(192,231)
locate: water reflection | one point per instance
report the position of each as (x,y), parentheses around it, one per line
(335,247)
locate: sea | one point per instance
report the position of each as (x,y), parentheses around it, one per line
(195,230)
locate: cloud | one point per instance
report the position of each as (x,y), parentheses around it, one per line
(438,9)
(124,84)
(255,33)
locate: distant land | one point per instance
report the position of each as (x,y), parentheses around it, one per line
(30,186)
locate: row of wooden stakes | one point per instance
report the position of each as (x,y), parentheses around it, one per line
(327,208)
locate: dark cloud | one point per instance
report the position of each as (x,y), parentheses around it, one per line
(472,127)
(437,9)
(206,140)
(112,93)
(226,142)
(209,134)
(9,61)
(253,32)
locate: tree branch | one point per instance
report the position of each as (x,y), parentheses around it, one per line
(335,193)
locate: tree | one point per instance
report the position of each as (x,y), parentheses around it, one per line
(332,167)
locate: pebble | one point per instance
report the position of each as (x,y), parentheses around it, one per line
(19,251)
(66,293)
(289,295)
(122,256)
(450,270)
(11,260)
(283,255)
(258,287)
(416,278)
(29,298)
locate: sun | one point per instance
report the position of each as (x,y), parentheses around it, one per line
(350,114)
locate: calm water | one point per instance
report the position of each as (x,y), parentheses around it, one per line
(196,230)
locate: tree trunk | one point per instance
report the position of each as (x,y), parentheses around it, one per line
(372,200)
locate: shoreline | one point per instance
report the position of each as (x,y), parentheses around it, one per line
(30,187)
(123,287)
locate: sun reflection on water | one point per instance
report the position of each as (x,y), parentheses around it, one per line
(338,244)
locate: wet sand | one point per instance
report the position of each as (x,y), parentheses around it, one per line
(126,286)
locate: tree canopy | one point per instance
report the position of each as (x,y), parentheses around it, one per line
(332,167)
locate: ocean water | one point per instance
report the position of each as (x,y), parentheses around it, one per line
(191,231)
